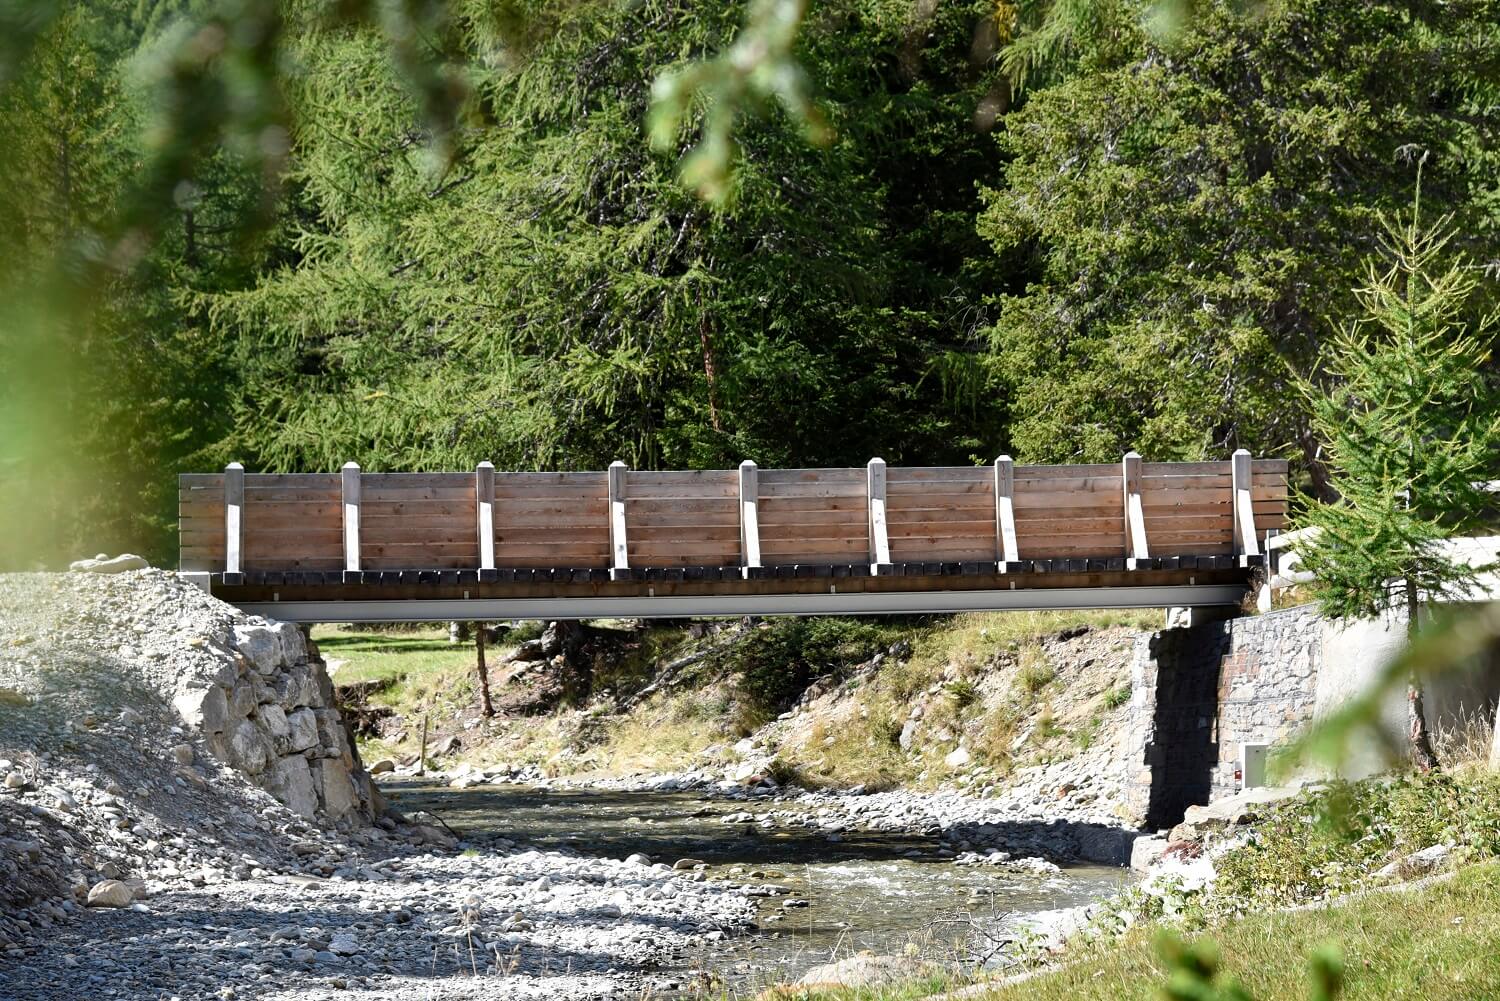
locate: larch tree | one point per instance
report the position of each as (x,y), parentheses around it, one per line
(1410,422)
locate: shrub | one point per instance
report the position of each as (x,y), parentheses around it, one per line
(1326,841)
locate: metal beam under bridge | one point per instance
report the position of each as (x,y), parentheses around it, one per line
(692,605)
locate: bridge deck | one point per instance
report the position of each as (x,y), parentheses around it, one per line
(361,546)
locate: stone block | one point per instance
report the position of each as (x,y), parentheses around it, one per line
(242,700)
(303,730)
(293,643)
(204,709)
(261,646)
(273,720)
(291,781)
(336,788)
(249,748)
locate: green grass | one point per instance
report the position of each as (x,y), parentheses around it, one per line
(1439,943)
(377,656)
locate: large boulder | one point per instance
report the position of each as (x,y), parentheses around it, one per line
(110,893)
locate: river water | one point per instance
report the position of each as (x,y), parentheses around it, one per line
(886,893)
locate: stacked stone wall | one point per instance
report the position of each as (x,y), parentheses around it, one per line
(1201,692)
(269,712)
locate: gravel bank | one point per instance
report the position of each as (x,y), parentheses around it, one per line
(137,862)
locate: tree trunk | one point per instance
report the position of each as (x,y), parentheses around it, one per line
(485,705)
(1416,721)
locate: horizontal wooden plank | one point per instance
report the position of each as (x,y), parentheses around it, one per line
(780,547)
(379,481)
(647,556)
(212,480)
(591,507)
(942,530)
(912,474)
(1101,503)
(557,525)
(1151,483)
(940,488)
(773,506)
(273,497)
(393,495)
(687,536)
(254,562)
(909,515)
(650,518)
(693,478)
(582,493)
(394,548)
(508,554)
(1185,468)
(1167,498)
(1066,472)
(187,538)
(300,481)
(1269,467)
(829,490)
(704,490)
(505,534)
(811,534)
(419,535)
(423,511)
(942,554)
(844,474)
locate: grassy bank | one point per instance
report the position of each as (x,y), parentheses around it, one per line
(1436,943)
(1001,684)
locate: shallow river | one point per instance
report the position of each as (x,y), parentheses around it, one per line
(882,892)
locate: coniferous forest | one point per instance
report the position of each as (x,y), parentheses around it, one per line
(422,235)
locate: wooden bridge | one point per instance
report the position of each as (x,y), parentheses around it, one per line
(483,545)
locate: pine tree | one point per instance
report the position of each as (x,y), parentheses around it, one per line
(1411,425)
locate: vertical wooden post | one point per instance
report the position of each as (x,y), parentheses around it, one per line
(749,518)
(234,523)
(351,519)
(1006,551)
(484,512)
(618,547)
(1244,508)
(880,546)
(1136,548)
(1267,596)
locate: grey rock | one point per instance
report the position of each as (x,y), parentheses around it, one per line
(110,893)
(109,565)
(302,729)
(290,780)
(261,646)
(204,709)
(249,749)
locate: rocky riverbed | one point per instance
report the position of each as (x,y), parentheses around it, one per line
(155,843)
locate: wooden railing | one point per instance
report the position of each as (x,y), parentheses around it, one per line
(619,523)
